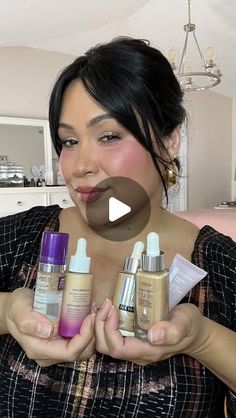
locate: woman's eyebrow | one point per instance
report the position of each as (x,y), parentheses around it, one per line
(97,119)
(92,122)
(65,126)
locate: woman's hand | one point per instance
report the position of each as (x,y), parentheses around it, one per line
(186,331)
(37,336)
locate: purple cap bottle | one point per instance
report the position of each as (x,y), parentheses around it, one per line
(53,248)
(51,274)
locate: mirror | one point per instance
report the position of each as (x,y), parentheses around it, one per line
(27,142)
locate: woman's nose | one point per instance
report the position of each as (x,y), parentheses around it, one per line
(85,162)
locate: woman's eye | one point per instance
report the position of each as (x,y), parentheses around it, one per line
(68,142)
(109,137)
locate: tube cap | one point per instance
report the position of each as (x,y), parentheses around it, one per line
(53,248)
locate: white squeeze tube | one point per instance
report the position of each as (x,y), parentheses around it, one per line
(183,276)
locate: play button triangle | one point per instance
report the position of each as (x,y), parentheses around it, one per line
(110,214)
(117,209)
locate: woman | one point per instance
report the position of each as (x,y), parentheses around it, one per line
(116,113)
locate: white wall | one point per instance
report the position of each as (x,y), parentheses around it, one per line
(27,76)
(26,79)
(209,148)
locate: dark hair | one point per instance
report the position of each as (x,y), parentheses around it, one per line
(135,83)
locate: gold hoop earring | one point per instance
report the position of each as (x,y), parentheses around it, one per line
(171,175)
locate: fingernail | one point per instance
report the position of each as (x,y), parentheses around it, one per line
(43,330)
(110,311)
(94,308)
(104,303)
(157,336)
(93,317)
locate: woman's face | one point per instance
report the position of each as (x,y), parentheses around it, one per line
(96,149)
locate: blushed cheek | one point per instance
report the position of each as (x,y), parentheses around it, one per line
(130,160)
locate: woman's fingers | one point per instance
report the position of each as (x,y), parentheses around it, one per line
(110,341)
(114,340)
(66,349)
(37,334)
(168,332)
(35,324)
(101,316)
(182,333)
(20,317)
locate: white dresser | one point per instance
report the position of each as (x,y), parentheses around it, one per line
(18,199)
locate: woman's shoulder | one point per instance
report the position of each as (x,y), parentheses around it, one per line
(40,215)
(30,223)
(211,238)
(34,215)
(206,239)
(20,237)
(205,247)
(214,248)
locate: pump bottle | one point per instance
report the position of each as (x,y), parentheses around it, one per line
(51,275)
(151,288)
(124,296)
(76,304)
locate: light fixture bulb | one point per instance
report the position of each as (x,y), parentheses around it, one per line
(209,53)
(171,56)
(217,64)
(216,68)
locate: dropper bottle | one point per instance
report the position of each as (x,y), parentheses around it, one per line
(76,304)
(124,296)
(152,286)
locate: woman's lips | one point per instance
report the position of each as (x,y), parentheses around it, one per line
(90,194)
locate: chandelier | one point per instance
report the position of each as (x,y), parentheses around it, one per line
(194,71)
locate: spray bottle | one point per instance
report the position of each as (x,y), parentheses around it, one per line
(51,274)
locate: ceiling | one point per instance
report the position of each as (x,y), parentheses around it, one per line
(72,26)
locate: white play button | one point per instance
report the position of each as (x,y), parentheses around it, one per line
(117,209)
(110,213)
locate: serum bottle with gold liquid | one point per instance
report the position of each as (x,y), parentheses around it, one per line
(124,296)
(152,286)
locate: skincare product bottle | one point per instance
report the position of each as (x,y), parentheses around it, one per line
(51,274)
(151,302)
(77,294)
(124,296)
